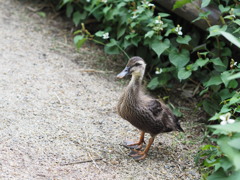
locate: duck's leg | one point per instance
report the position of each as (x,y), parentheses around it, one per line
(140,155)
(135,145)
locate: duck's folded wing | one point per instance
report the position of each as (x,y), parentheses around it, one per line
(155,107)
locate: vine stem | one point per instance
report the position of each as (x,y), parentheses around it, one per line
(124,52)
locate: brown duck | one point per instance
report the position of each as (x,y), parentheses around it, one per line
(144,112)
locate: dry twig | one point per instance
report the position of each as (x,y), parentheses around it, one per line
(94,70)
(80,162)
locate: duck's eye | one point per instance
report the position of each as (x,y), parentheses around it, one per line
(137,64)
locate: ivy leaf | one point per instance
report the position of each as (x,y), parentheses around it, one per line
(216,30)
(223,9)
(202,62)
(41,14)
(202,15)
(120,31)
(235,127)
(217,62)
(149,34)
(221,175)
(235,143)
(214,80)
(210,106)
(184,74)
(183,40)
(99,33)
(160,46)
(77,17)
(231,38)
(235,76)
(179,59)
(205,3)
(225,94)
(224,77)
(79,40)
(69,10)
(232,154)
(153,84)
(111,47)
(180,3)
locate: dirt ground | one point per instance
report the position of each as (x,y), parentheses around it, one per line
(58,120)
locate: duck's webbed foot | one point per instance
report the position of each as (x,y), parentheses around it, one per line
(140,155)
(135,145)
(137,155)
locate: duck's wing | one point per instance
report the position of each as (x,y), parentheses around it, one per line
(155,107)
(164,115)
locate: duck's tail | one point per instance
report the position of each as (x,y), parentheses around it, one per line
(179,128)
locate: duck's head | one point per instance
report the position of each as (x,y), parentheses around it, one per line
(135,67)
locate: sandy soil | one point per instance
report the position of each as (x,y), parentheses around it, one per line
(58,121)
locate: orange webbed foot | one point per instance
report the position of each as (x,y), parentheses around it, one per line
(137,155)
(132,145)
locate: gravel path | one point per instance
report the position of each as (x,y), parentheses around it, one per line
(59,122)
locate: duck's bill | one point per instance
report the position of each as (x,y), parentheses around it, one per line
(124,73)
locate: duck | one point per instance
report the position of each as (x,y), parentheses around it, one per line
(144,112)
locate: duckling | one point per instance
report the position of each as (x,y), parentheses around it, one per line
(147,114)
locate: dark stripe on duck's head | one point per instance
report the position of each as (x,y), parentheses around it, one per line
(135,61)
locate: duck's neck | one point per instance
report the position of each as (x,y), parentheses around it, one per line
(135,84)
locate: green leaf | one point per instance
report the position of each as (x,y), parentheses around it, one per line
(205,3)
(180,3)
(235,127)
(135,40)
(235,99)
(153,84)
(235,143)
(224,77)
(99,33)
(216,30)
(179,59)
(237,21)
(112,47)
(202,15)
(184,74)
(210,107)
(223,9)
(221,175)
(77,17)
(120,31)
(225,109)
(225,163)
(69,10)
(225,94)
(202,62)
(65,2)
(203,91)
(160,46)
(163,14)
(235,76)
(79,40)
(149,34)
(232,154)
(233,84)
(217,62)
(41,14)
(214,80)
(159,81)
(231,38)
(183,40)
